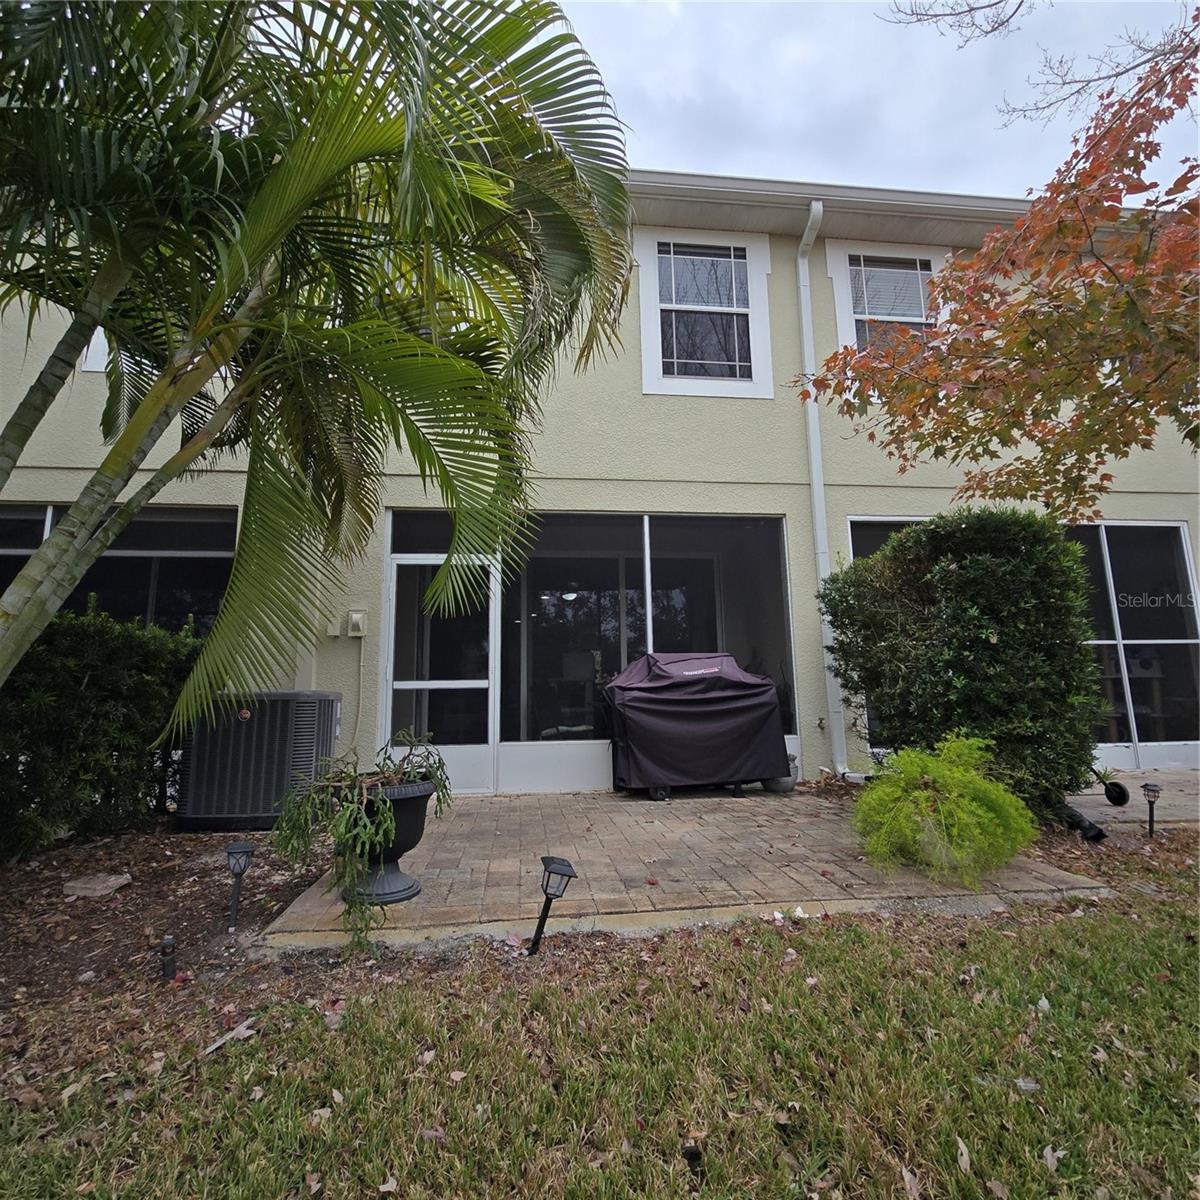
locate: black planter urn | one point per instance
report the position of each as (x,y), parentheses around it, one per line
(385,883)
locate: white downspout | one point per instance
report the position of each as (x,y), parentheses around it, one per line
(816,478)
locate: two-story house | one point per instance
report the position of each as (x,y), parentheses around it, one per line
(690,501)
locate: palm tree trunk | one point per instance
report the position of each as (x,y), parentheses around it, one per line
(89,526)
(33,406)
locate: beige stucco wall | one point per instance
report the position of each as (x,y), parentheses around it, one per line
(604,446)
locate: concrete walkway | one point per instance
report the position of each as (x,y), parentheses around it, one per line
(1179,803)
(697,857)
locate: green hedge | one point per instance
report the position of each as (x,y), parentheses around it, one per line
(78,721)
(975,621)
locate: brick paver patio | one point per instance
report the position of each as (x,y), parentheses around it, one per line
(643,864)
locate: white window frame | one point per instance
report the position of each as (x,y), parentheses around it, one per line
(837,263)
(758,266)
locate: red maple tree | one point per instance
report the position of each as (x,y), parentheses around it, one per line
(1066,340)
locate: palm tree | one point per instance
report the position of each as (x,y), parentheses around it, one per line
(312,233)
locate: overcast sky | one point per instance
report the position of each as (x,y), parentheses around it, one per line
(831,93)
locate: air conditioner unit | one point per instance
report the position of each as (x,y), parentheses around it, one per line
(238,768)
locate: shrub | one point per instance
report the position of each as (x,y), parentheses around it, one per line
(939,810)
(975,620)
(78,721)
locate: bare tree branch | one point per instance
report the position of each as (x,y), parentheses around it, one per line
(968,20)
(1063,82)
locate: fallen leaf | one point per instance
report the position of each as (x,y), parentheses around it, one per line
(513,940)
(436,1134)
(651,881)
(318,1117)
(1051,1158)
(70,1091)
(426,1057)
(997,1189)
(812,981)
(257,1094)
(458,1076)
(338,1098)
(789,955)
(912,1188)
(237,1033)
(312,1180)
(389,1185)
(1043,1005)
(964,1157)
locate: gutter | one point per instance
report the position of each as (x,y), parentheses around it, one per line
(816,480)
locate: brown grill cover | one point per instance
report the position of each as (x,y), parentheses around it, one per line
(692,719)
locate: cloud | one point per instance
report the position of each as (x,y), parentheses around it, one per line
(833,93)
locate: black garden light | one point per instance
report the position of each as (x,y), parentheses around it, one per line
(1151,791)
(239,855)
(556,874)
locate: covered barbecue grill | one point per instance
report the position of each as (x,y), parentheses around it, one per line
(684,720)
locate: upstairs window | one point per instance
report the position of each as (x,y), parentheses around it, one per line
(879,286)
(705,325)
(886,292)
(704,294)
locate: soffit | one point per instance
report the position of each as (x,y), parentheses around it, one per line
(772,206)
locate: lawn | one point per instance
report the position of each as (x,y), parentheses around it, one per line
(1045,1052)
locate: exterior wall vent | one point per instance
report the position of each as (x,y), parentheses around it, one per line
(237,770)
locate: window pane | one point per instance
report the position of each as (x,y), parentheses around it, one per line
(666,293)
(1114,725)
(571,620)
(704,281)
(169,528)
(22,526)
(121,585)
(1154,596)
(871,333)
(1099,605)
(718,584)
(1163,684)
(452,716)
(741,285)
(707,344)
(190,586)
(868,536)
(891,287)
(10,568)
(420,531)
(432,647)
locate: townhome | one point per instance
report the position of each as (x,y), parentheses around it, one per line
(690,501)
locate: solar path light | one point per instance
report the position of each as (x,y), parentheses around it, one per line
(239,855)
(557,873)
(1151,791)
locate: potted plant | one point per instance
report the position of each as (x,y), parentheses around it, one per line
(374,817)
